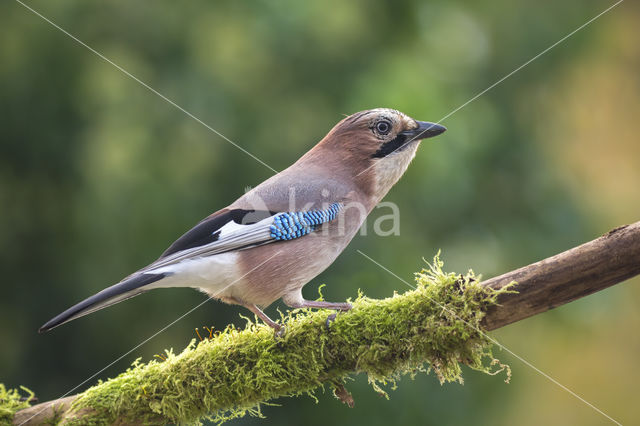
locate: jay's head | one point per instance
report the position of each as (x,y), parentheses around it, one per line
(377,145)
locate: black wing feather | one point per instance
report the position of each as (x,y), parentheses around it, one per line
(207,231)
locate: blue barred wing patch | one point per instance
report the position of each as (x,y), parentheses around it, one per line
(287,226)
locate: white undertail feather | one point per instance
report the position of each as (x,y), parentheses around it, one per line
(212,274)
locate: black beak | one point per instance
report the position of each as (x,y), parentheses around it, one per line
(424,130)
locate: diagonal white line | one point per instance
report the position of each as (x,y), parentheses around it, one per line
(500,345)
(133,77)
(509,75)
(152,336)
(531,60)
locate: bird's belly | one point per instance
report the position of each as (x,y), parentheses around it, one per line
(271,271)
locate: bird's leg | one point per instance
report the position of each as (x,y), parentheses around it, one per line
(340,306)
(296,300)
(253,308)
(271,323)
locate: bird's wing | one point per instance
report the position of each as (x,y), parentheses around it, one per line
(238,229)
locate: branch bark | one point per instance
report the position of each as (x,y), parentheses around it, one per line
(541,286)
(565,277)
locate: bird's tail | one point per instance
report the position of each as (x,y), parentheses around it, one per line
(125,289)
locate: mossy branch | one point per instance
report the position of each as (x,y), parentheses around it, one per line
(235,371)
(438,323)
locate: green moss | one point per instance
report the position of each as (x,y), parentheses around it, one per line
(11,401)
(435,327)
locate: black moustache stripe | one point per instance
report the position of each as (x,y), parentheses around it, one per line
(388,147)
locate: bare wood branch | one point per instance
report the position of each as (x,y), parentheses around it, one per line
(567,276)
(542,286)
(44,413)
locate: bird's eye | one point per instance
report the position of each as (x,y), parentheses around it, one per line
(383,127)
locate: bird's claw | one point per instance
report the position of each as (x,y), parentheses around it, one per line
(279,332)
(331,318)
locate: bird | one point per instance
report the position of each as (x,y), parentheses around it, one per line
(278,236)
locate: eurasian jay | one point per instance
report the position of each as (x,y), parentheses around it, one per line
(281,234)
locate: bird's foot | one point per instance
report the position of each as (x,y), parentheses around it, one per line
(331,318)
(279,332)
(319,304)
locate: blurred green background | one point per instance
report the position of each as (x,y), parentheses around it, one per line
(98,175)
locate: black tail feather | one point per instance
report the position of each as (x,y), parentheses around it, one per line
(109,296)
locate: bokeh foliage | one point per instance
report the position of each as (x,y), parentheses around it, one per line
(98,175)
